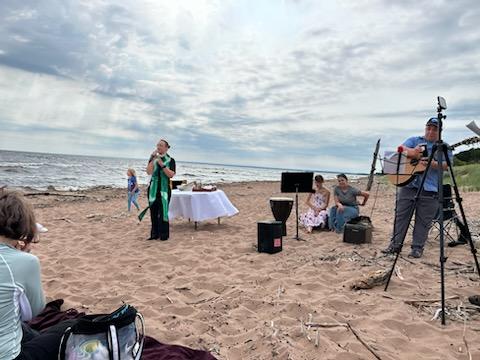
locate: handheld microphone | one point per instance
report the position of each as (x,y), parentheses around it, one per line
(400,149)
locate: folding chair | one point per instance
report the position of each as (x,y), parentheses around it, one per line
(454,229)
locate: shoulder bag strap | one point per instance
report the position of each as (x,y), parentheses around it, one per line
(114,350)
(63,343)
(138,349)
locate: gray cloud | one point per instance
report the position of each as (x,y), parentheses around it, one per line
(321,80)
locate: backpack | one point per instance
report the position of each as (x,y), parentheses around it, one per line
(114,336)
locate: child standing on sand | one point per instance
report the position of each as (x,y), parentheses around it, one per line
(133,189)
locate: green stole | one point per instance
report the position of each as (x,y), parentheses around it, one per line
(158,176)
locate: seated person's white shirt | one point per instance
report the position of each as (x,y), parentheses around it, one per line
(21,297)
(24,305)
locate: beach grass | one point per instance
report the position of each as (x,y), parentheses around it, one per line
(466,176)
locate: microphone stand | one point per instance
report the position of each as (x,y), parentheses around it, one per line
(296,237)
(399,161)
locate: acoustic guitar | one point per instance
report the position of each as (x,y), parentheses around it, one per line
(408,168)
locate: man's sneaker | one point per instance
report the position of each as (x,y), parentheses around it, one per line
(454,243)
(416,253)
(391,249)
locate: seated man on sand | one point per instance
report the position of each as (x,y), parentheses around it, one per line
(317,201)
(346,204)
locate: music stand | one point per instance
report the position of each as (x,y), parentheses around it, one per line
(296,182)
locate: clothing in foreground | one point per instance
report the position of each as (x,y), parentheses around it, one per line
(426,206)
(153,350)
(309,219)
(21,297)
(348,198)
(161,199)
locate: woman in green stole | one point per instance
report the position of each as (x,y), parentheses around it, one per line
(161,167)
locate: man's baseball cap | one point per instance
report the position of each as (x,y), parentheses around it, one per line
(432,121)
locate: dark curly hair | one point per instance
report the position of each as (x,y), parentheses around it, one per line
(17,220)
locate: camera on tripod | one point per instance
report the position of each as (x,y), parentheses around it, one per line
(441,105)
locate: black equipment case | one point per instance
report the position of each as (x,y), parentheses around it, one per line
(358,230)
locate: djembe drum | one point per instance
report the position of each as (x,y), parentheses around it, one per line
(281,208)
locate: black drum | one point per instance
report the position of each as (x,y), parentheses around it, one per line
(281,208)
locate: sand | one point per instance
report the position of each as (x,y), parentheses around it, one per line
(210,288)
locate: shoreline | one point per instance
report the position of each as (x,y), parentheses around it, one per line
(42,191)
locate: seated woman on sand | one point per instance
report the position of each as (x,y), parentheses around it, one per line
(316,215)
(21,293)
(346,204)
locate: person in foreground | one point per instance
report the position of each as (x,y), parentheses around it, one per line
(317,202)
(426,206)
(21,292)
(161,166)
(346,204)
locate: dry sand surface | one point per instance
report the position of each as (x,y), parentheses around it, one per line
(210,289)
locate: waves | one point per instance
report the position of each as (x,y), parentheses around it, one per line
(66,172)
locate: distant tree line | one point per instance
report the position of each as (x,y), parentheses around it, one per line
(471,156)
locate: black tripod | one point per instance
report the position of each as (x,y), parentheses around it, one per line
(440,149)
(296,237)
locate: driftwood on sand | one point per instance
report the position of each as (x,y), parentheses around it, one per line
(370,280)
(305,327)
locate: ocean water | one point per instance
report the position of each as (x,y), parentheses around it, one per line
(73,172)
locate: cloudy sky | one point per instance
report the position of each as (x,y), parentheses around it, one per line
(293,84)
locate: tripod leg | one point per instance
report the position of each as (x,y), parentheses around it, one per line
(466,230)
(397,227)
(441,154)
(404,213)
(296,212)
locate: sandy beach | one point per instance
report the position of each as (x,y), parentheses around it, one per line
(210,289)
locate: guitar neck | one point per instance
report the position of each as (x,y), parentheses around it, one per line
(467,141)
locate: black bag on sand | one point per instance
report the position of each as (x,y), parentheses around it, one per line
(115,336)
(358,230)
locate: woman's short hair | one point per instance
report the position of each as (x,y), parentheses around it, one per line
(17,220)
(342,175)
(319,178)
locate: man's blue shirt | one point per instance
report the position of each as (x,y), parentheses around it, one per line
(431,181)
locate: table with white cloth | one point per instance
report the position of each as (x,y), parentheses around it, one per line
(200,205)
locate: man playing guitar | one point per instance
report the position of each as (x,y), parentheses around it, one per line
(426,205)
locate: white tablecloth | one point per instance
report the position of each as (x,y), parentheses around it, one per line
(200,206)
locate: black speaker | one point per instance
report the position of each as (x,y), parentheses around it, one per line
(269,236)
(358,231)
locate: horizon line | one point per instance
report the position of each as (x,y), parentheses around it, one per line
(191,162)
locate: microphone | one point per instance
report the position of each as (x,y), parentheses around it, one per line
(400,149)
